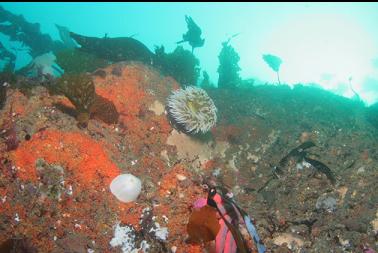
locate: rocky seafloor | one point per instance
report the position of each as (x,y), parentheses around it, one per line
(55,176)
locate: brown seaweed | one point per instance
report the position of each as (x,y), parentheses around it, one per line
(181,64)
(114,49)
(28,33)
(193,35)
(80,90)
(104,110)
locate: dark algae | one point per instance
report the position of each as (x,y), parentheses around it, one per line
(114,49)
(228,67)
(193,35)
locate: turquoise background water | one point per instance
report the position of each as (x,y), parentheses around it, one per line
(324,43)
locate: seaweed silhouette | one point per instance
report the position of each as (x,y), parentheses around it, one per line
(193,35)
(228,67)
(274,63)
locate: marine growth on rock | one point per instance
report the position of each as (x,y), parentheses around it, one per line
(80,90)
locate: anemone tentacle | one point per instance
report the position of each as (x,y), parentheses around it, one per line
(193,109)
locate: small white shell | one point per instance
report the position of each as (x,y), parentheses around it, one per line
(126,187)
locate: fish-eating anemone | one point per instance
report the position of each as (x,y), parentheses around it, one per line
(192,110)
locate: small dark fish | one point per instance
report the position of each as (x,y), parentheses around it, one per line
(322,168)
(298,152)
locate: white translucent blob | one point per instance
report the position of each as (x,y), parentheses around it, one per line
(126,187)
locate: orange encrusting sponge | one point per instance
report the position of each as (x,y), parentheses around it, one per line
(81,156)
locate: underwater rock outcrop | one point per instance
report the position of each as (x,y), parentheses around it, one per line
(91,158)
(255,128)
